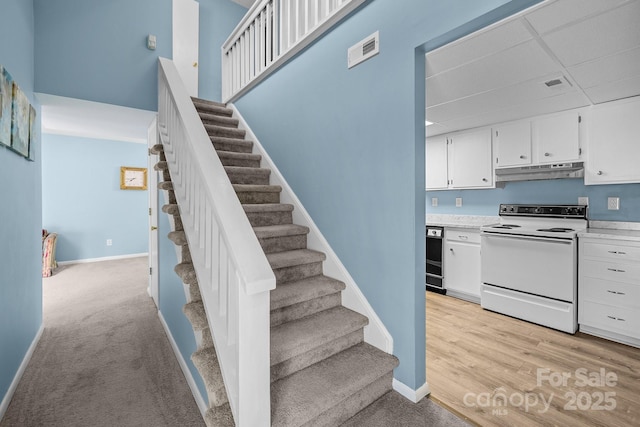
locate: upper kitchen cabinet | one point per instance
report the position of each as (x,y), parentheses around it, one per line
(470,157)
(512,144)
(556,137)
(436,163)
(613,143)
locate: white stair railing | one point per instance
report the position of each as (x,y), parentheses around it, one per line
(234,275)
(270,34)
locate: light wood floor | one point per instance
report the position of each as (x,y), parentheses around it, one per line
(476,356)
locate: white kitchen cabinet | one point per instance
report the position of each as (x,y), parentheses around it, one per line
(556,138)
(613,144)
(436,163)
(460,160)
(609,289)
(512,144)
(462,263)
(470,163)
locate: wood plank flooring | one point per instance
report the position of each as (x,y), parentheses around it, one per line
(494,370)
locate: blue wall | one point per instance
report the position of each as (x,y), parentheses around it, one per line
(96,50)
(351,145)
(20,211)
(218,18)
(559,191)
(82,200)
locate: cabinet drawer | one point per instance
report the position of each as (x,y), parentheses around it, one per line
(620,253)
(462,235)
(628,273)
(616,319)
(613,293)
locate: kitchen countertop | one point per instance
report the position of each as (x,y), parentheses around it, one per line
(461,221)
(629,231)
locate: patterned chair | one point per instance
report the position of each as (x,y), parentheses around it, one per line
(48,253)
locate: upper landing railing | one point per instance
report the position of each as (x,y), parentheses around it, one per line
(270,34)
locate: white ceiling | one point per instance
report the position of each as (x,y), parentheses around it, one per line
(76,117)
(498,74)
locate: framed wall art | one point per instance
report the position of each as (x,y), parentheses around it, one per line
(133,178)
(20,122)
(6,98)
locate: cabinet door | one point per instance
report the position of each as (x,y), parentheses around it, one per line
(557,138)
(462,267)
(470,164)
(614,143)
(436,163)
(512,143)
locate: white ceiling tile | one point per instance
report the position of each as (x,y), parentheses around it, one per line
(601,35)
(615,90)
(559,13)
(619,66)
(473,48)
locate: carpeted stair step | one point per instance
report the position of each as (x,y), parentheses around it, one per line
(218,120)
(157,149)
(171,209)
(279,238)
(206,361)
(301,298)
(212,107)
(186,272)
(178,237)
(161,166)
(221,143)
(223,131)
(186,254)
(296,265)
(303,342)
(207,339)
(219,416)
(330,392)
(195,313)
(269,214)
(244,175)
(249,160)
(253,194)
(194,292)
(165,185)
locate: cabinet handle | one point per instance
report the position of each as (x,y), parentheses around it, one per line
(599,173)
(616,270)
(617,252)
(547,154)
(451,249)
(523,156)
(484,179)
(616,293)
(616,318)
(463,237)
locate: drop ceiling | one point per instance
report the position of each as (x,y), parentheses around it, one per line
(558,55)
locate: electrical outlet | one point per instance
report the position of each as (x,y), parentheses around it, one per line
(109,242)
(458,202)
(434,201)
(583,201)
(613,203)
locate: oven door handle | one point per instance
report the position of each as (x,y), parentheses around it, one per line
(523,237)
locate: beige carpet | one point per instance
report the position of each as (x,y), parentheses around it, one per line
(103,359)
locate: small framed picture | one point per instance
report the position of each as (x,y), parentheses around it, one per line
(133,178)
(6,99)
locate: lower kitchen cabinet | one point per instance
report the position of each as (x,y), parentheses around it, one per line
(462,263)
(609,289)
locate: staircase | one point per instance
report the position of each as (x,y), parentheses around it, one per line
(322,371)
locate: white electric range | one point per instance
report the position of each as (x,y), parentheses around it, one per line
(529,263)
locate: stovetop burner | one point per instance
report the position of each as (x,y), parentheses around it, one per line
(556,230)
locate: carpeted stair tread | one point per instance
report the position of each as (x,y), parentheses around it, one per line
(217,119)
(219,416)
(161,166)
(157,149)
(178,237)
(195,313)
(293,258)
(171,209)
(323,390)
(212,107)
(268,207)
(248,175)
(269,214)
(283,230)
(165,185)
(254,193)
(194,292)
(303,290)
(206,361)
(225,131)
(231,144)
(230,158)
(207,339)
(186,272)
(295,338)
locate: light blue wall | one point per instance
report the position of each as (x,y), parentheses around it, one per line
(96,50)
(559,191)
(82,200)
(20,209)
(218,18)
(351,144)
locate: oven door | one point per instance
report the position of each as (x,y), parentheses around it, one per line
(540,266)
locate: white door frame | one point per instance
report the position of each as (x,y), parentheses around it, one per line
(152,190)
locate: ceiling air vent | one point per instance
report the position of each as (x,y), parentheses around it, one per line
(553,82)
(363,50)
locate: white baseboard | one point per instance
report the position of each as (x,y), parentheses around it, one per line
(106,258)
(413,395)
(16,379)
(202,405)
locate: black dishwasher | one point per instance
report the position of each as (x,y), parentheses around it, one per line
(435,238)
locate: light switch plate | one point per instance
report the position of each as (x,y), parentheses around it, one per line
(151,42)
(458,202)
(613,203)
(583,201)
(434,201)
